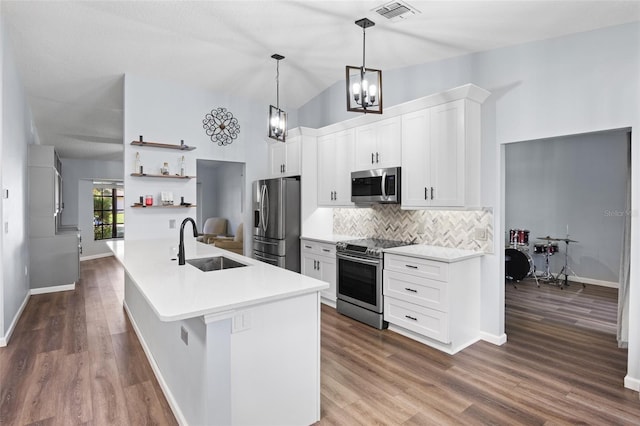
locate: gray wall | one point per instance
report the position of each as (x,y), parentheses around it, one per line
(17,133)
(577,182)
(77,194)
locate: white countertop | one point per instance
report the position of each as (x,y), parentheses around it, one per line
(441,254)
(179,292)
(328,238)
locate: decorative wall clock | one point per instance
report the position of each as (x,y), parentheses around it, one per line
(221,126)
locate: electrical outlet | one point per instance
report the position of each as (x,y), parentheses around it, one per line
(184,335)
(241,322)
(6,227)
(420,228)
(481,234)
(172,224)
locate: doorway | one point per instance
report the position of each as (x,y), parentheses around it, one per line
(220,192)
(568,196)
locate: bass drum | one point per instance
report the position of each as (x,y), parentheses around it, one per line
(517,264)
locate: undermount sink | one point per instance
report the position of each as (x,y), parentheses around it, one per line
(216,263)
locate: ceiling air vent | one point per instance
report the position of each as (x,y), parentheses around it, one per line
(396,11)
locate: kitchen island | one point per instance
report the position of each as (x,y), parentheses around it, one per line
(234,346)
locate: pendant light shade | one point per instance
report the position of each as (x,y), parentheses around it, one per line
(277,117)
(364,85)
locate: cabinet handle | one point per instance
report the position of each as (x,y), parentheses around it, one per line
(411,266)
(411,318)
(326,250)
(411,290)
(377,158)
(432,192)
(306,246)
(372,158)
(425,192)
(335,195)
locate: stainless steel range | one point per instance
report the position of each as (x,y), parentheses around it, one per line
(359,278)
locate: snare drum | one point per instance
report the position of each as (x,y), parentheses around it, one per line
(541,248)
(517,264)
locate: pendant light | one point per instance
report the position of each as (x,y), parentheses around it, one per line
(277,117)
(364,85)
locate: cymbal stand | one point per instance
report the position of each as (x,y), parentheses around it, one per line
(566,269)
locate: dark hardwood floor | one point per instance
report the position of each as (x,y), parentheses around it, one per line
(74,359)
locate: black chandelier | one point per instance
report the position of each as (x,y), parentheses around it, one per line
(364,85)
(277,117)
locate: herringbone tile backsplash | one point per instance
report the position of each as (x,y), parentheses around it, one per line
(436,227)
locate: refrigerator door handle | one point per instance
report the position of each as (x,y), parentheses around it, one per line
(265,205)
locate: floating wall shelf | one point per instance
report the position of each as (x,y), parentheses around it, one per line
(137,206)
(163,145)
(161,176)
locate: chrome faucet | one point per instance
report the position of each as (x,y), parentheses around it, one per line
(181,246)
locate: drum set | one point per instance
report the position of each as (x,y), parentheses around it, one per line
(519,263)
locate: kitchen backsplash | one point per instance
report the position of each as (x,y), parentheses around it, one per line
(436,227)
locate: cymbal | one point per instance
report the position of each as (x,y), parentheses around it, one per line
(548,238)
(566,240)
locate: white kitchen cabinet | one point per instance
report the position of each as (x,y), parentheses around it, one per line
(284,157)
(335,154)
(441,165)
(378,145)
(319,261)
(434,302)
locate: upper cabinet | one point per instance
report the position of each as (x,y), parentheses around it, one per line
(377,145)
(335,154)
(284,157)
(441,165)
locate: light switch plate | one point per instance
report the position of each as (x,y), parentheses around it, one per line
(481,234)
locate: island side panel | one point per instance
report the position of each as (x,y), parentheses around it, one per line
(180,368)
(275,363)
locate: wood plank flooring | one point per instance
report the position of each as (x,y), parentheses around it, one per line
(74,359)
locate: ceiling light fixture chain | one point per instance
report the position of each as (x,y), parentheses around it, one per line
(277,117)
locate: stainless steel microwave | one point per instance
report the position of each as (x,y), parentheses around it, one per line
(376,186)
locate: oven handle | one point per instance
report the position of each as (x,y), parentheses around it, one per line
(358,259)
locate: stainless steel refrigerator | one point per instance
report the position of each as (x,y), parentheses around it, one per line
(276,222)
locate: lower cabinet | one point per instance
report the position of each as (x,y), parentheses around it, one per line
(319,261)
(434,302)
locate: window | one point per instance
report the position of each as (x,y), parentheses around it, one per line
(108,212)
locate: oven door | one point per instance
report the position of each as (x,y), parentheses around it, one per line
(360,281)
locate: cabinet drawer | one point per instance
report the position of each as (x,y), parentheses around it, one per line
(422,267)
(324,249)
(428,322)
(421,291)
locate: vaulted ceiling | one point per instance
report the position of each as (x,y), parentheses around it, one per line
(72,54)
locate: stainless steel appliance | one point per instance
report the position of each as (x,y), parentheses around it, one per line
(359,278)
(276,222)
(376,186)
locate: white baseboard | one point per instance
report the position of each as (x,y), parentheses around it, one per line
(4,340)
(497,340)
(632,383)
(591,281)
(96,256)
(156,370)
(53,289)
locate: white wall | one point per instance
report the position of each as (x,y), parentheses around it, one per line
(17,133)
(555,184)
(575,84)
(77,195)
(165,112)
